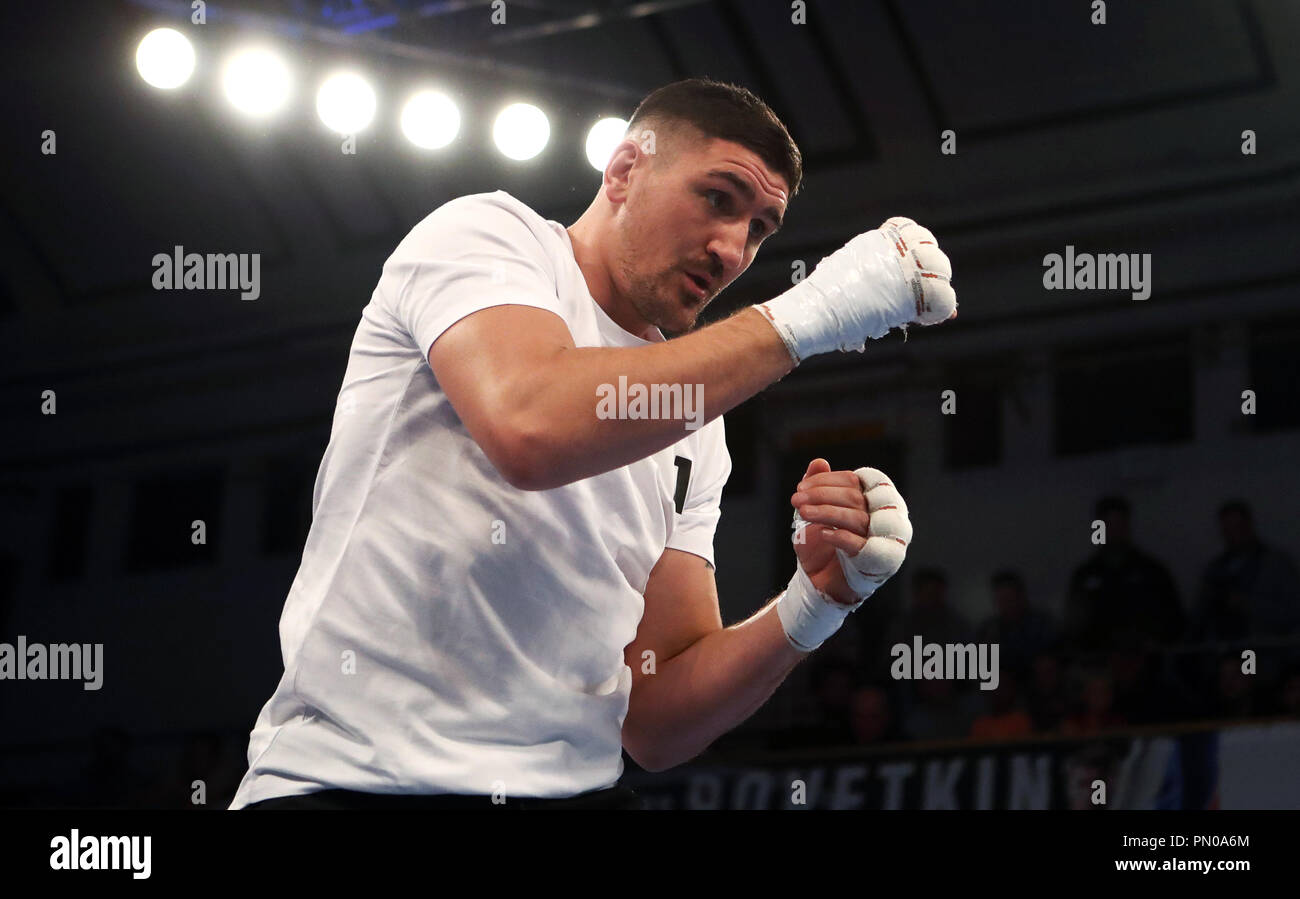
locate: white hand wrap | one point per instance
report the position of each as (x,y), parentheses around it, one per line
(809,616)
(889,534)
(881,279)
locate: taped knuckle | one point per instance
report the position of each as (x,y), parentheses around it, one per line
(891,524)
(879,489)
(879,559)
(940,301)
(885,497)
(889,533)
(917,236)
(870,478)
(932,261)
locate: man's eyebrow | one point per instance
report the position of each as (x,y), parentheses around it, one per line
(748,190)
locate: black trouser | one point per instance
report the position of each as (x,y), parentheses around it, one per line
(618,797)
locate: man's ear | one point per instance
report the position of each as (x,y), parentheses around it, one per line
(618,171)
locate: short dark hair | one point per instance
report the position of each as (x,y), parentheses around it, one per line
(727,112)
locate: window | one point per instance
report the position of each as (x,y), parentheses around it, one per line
(1275,375)
(70,532)
(1107,398)
(972,435)
(163,509)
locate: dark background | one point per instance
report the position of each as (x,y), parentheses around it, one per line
(173,406)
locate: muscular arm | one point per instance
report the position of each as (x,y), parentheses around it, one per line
(528,396)
(707,679)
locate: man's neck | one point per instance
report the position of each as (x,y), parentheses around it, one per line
(595,272)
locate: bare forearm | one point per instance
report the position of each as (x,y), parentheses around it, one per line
(570,436)
(711,687)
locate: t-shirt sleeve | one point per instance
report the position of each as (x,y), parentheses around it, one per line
(470,254)
(702,508)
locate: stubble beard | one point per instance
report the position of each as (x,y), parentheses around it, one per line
(657,299)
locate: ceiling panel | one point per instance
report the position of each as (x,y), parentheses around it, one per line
(797,69)
(623,50)
(998,64)
(706,45)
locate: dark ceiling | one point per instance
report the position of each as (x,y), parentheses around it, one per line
(1066,132)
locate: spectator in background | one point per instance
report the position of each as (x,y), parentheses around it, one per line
(1096,709)
(929,615)
(1121,591)
(939,711)
(873,627)
(1288,693)
(1021,630)
(1005,718)
(1250,589)
(1047,699)
(1084,767)
(832,682)
(1143,695)
(1234,694)
(871,716)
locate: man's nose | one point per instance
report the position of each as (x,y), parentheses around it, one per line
(728,247)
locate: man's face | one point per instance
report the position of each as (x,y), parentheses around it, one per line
(704,211)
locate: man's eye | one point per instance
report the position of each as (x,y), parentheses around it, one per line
(756,228)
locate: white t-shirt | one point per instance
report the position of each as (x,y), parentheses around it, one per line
(446,632)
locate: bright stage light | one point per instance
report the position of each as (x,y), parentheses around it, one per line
(521,131)
(345,103)
(603,137)
(256,81)
(165,58)
(430,120)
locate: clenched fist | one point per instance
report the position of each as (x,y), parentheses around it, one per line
(890,277)
(852,533)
